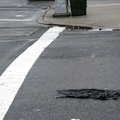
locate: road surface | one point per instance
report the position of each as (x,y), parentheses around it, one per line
(57,58)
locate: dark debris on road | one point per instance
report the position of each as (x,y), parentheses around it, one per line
(97,94)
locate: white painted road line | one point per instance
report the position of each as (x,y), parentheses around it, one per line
(14,75)
(15,20)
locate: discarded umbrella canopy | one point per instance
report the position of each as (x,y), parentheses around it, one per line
(98,94)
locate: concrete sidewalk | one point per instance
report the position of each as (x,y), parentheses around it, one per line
(99,15)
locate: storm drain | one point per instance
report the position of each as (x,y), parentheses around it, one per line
(97,94)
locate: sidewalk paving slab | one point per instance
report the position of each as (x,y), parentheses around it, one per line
(99,15)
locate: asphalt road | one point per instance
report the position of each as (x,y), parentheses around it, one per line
(18,28)
(75,60)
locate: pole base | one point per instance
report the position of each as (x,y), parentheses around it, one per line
(61,15)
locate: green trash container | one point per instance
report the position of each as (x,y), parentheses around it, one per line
(78,7)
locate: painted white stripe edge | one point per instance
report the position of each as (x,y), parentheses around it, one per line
(14,75)
(15,20)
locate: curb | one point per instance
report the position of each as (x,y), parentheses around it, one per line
(42,21)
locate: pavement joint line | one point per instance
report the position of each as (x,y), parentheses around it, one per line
(13,77)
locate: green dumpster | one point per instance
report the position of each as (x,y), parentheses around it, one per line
(78,7)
